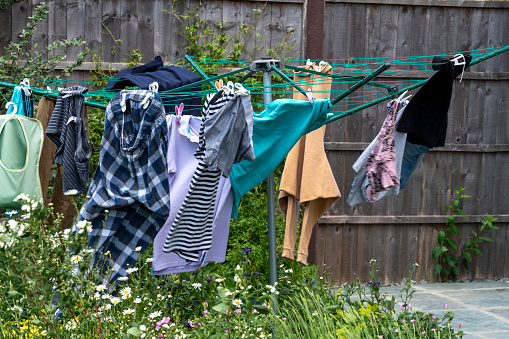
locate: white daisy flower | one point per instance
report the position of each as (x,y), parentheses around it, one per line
(115,300)
(76,259)
(123,279)
(197,286)
(137,249)
(100,288)
(16,309)
(149,260)
(154,315)
(131,270)
(237,302)
(137,300)
(126,291)
(71,325)
(128,311)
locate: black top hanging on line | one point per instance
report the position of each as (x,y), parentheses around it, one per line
(425,117)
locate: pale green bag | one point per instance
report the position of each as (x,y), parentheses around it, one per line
(20,149)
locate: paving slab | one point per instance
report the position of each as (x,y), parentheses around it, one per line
(482,308)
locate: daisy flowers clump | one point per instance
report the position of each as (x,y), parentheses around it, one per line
(237,302)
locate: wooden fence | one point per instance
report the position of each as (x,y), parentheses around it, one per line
(397,231)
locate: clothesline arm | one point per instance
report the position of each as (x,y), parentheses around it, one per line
(361,83)
(188,58)
(335,116)
(217,77)
(335,76)
(290,81)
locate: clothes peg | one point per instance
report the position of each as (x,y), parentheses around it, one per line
(457,62)
(154,87)
(229,87)
(122,102)
(241,90)
(9,104)
(146,101)
(25,85)
(178,112)
(310,96)
(219,85)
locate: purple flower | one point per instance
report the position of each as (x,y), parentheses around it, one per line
(208,279)
(412,321)
(459,325)
(284,319)
(403,321)
(433,329)
(186,279)
(423,332)
(445,305)
(396,330)
(238,310)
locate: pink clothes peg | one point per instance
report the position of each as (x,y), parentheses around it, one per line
(178,112)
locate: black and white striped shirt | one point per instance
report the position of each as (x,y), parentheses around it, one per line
(191,231)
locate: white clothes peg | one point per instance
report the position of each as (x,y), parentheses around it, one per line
(9,104)
(25,85)
(457,62)
(122,102)
(229,87)
(241,90)
(146,101)
(310,96)
(154,87)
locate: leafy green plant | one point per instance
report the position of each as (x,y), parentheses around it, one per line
(446,251)
(19,61)
(355,311)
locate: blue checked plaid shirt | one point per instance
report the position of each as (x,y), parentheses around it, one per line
(131,182)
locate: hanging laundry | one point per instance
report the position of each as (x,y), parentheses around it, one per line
(307,176)
(20,149)
(167,77)
(381,163)
(408,159)
(67,130)
(275,131)
(131,182)
(22,102)
(224,140)
(182,144)
(425,117)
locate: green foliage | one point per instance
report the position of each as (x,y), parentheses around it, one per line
(358,311)
(7,3)
(446,251)
(20,61)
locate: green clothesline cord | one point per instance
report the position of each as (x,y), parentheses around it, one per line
(352,73)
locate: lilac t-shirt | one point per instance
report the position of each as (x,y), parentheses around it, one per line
(182,144)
